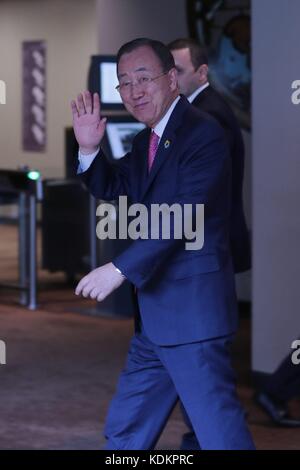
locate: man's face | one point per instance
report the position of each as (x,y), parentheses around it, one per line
(146,99)
(189,79)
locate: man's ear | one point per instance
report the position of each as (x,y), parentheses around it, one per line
(173,79)
(203,72)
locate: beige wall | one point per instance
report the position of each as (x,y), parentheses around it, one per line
(73,30)
(122,20)
(70,29)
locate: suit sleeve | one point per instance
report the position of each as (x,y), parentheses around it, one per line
(204,169)
(106,180)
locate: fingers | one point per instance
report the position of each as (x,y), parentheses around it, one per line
(101,297)
(99,283)
(80,286)
(88,101)
(81,105)
(94,293)
(96,104)
(87,289)
(85,104)
(97,111)
(101,126)
(74,109)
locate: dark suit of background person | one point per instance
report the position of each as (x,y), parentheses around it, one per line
(187,302)
(192,66)
(188,53)
(275,391)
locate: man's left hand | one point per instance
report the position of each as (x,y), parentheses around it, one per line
(100,282)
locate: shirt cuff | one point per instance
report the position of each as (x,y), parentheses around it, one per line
(118,271)
(85,161)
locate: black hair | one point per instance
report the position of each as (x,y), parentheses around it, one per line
(198,52)
(160,50)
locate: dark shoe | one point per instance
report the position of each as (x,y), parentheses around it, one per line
(277,411)
(189,442)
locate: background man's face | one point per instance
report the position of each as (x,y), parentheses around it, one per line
(146,102)
(188,77)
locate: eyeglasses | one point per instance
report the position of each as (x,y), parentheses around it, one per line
(142,82)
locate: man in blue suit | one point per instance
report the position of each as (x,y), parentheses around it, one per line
(191,63)
(188,311)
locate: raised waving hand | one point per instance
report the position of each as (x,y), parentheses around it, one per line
(88,125)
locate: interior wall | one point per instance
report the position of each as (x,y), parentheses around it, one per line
(243,280)
(69,28)
(120,21)
(276,188)
(73,31)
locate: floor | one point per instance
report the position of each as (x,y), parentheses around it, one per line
(62,366)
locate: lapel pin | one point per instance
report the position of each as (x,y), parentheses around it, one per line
(167,144)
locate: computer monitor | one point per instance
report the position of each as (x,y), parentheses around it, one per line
(120,132)
(71,153)
(103,79)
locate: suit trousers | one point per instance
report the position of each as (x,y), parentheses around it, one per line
(154,377)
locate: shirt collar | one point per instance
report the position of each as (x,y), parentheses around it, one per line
(160,126)
(196,92)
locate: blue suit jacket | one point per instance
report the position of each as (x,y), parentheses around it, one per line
(184,296)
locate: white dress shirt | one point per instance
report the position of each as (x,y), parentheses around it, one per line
(196,92)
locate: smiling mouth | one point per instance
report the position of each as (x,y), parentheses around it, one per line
(140,105)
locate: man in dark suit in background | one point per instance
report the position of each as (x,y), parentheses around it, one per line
(187,303)
(192,67)
(191,62)
(274,391)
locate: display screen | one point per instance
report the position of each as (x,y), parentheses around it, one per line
(120,136)
(108,83)
(102,79)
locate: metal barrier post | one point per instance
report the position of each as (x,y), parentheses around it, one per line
(32,253)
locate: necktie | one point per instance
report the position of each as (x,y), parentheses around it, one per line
(153,144)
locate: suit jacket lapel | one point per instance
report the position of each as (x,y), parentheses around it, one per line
(140,165)
(166,145)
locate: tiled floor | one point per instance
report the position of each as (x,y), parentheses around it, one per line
(62,368)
